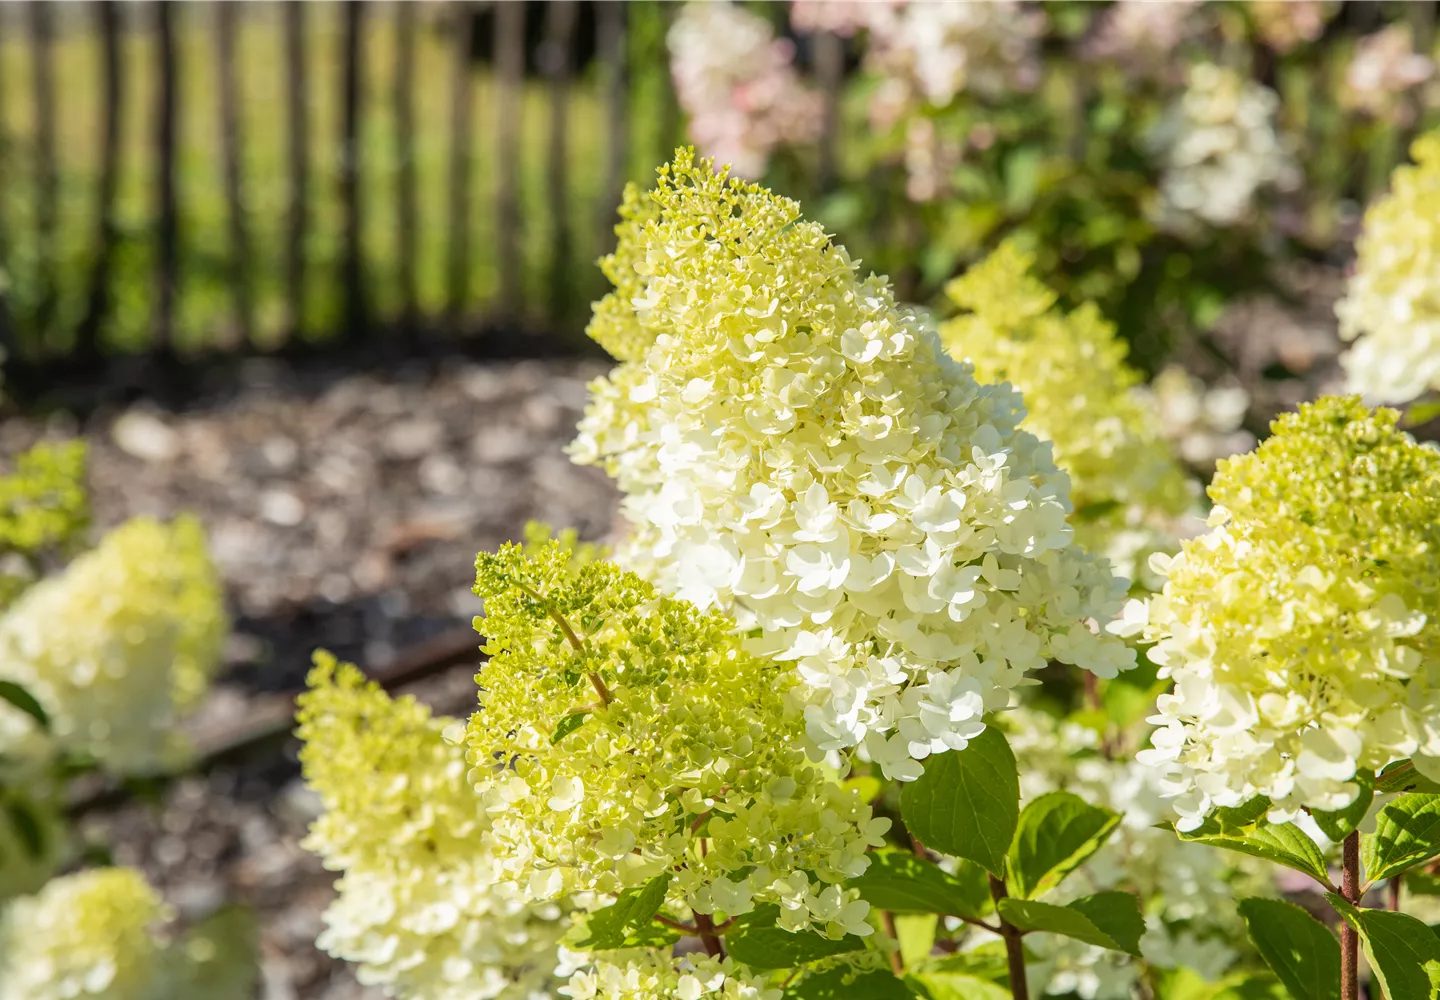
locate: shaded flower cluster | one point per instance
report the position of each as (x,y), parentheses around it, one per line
(85,936)
(1391,309)
(738,84)
(1384,68)
(1127,488)
(1220,149)
(424,906)
(624,736)
(1301,632)
(118,647)
(799,451)
(1141,36)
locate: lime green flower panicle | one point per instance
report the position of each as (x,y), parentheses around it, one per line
(1303,632)
(423,907)
(616,325)
(1079,393)
(121,645)
(798,451)
(623,735)
(85,936)
(1391,309)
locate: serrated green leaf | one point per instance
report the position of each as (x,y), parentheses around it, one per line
(1283,843)
(967,802)
(1298,948)
(25,701)
(759,943)
(1404,953)
(568,725)
(901,882)
(629,921)
(1341,823)
(1108,919)
(831,985)
(1407,832)
(1055,834)
(916,934)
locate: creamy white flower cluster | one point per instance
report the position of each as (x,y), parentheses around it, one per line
(738,84)
(1392,308)
(1141,36)
(1220,150)
(798,450)
(424,907)
(118,647)
(1300,632)
(85,936)
(647,975)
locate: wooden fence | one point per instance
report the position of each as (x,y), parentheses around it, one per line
(182,178)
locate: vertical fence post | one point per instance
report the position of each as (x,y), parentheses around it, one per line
(232,143)
(42,54)
(8,345)
(829,51)
(112,96)
(406,213)
(166,228)
(558,57)
(610,27)
(462,83)
(297,119)
(351,275)
(510,68)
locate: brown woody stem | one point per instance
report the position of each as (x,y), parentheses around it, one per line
(1014,947)
(1349,938)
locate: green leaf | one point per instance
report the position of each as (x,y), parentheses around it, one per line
(831,985)
(1404,954)
(1422,411)
(985,961)
(1107,919)
(959,986)
(1056,833)
(903,883)
(629,921)
(1401,776)
(967,802)
(1283,843)
(1340,824)
(759,943)
(916,934)
(568,725)
(25,701)
(1407,832)
(1300,949)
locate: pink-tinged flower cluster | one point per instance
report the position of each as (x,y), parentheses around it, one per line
(1141,36)
(1285,24)
(738,84)
(1385,66)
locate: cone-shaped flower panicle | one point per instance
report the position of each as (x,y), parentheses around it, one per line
(799,451)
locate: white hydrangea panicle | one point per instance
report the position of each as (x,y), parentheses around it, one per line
(1385,66)
(86,936)
(424,908)
(738,84)
(1220,150)
(120,646)
(1299,633)
(1391,309)
(799,451)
